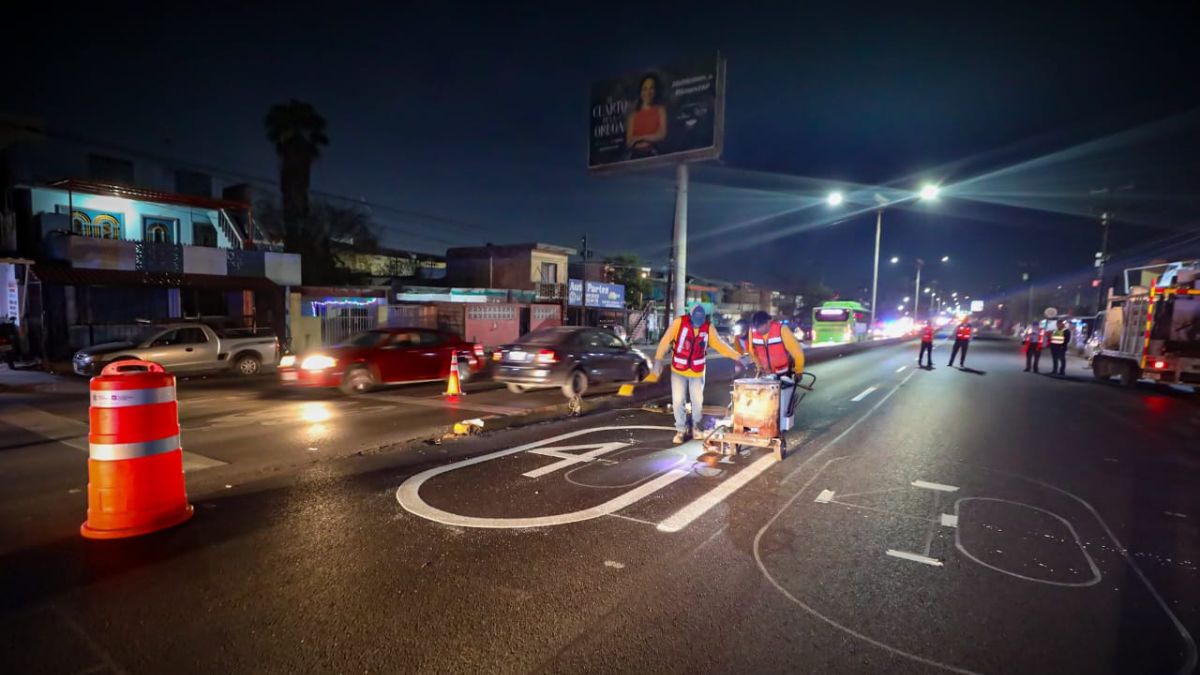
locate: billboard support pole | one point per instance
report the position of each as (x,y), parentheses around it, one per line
(680,242)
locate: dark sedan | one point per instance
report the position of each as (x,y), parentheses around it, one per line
(570,357)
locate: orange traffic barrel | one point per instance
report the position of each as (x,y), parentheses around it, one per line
(135,460)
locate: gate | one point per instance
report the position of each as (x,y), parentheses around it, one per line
(412,316)
(339,324)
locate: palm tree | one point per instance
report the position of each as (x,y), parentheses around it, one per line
(298,132)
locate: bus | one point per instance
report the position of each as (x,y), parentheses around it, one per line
(839,322)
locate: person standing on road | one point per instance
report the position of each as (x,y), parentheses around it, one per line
(777,353)
(962,340)
(689,339)
(1035,340)
(1059,339)
(926,344)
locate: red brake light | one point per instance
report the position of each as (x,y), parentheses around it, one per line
(1159,365)
(547,356)
(479,351)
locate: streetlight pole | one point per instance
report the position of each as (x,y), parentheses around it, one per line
(875,278)
(681,204)
(917,292)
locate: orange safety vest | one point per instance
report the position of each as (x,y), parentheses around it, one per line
(927,334)
(963,332)
(1036,338)
(691,346)
(769,349)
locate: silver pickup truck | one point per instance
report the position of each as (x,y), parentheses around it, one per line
(184,348)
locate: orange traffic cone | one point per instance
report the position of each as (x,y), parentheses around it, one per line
(135,460)
(453,386)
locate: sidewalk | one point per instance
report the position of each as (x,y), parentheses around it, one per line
(39,381)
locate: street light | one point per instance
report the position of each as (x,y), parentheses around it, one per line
(929,192)
(835,198)
(906,298)
(900,308)
(945,258)
(894,260)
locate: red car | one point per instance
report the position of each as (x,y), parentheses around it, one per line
(382,356)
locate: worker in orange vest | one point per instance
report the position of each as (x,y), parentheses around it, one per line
(1035,340)
(962,340)
(776,352)
(688,340)
(926,344)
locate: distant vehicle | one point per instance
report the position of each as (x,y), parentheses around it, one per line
(839,322)
(381,357)
(1150,333)
(570,357)
(184,348)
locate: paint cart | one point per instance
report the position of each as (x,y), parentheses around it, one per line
(760,411)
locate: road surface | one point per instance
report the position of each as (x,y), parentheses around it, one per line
(977,520)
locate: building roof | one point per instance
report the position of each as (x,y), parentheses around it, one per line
(506,249)
(146,194)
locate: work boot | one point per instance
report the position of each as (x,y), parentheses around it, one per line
(678,438)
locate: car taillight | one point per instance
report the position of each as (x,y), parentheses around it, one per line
(497,355)
(547,356)
(479,351)
(1159,365)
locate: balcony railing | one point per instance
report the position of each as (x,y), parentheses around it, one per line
(554,292)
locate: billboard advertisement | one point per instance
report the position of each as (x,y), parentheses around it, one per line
(601,295)
(658,115)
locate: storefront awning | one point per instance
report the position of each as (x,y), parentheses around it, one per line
(75,276)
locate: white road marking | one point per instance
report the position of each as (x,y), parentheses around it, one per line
(865,393)
(1095,578)
(949,520)
(569,459)
(73,433)
(825,497)
(901,369)
(683,517)
(614,564)
(409,497)
(915,557)
(934,486)
(1173,514)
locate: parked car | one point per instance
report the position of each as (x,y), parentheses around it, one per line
(380,357)
(184,348)
(570,357)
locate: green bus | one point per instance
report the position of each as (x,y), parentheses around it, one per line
(840,321)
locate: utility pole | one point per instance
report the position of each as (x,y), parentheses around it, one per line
(585,254)
(875,278)
(917,292)
(1029,314)
(680,239)
(1101,257)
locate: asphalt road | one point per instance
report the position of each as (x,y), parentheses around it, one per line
(981,520)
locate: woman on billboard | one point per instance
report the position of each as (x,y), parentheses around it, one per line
(647,125)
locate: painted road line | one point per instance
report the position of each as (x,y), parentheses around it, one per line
(73,433)
(460,404)
(901,369)
(687,514)
(940,487)
(569,459)
(949,520)
(915,557)
(865,393)
(825,497)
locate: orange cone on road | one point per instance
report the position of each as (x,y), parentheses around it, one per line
(453,386)
(135,459)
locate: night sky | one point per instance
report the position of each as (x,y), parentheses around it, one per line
(462,124)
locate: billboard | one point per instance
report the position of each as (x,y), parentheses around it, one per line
(659,115)
(601,295)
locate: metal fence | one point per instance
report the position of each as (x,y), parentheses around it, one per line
(342,323)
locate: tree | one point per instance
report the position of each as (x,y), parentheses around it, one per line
(316,234)
(298,132)
(626,269)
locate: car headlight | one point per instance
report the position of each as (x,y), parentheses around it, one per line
(287,361)
(84,358)
(318,362)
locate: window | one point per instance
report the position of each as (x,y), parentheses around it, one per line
(404,340)
(430,339)
(597,339)
(159,230)
(367,339)
(548,273)
(204,234)
(182,336)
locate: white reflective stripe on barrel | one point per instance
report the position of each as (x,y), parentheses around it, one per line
(118,451)
(122,398)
